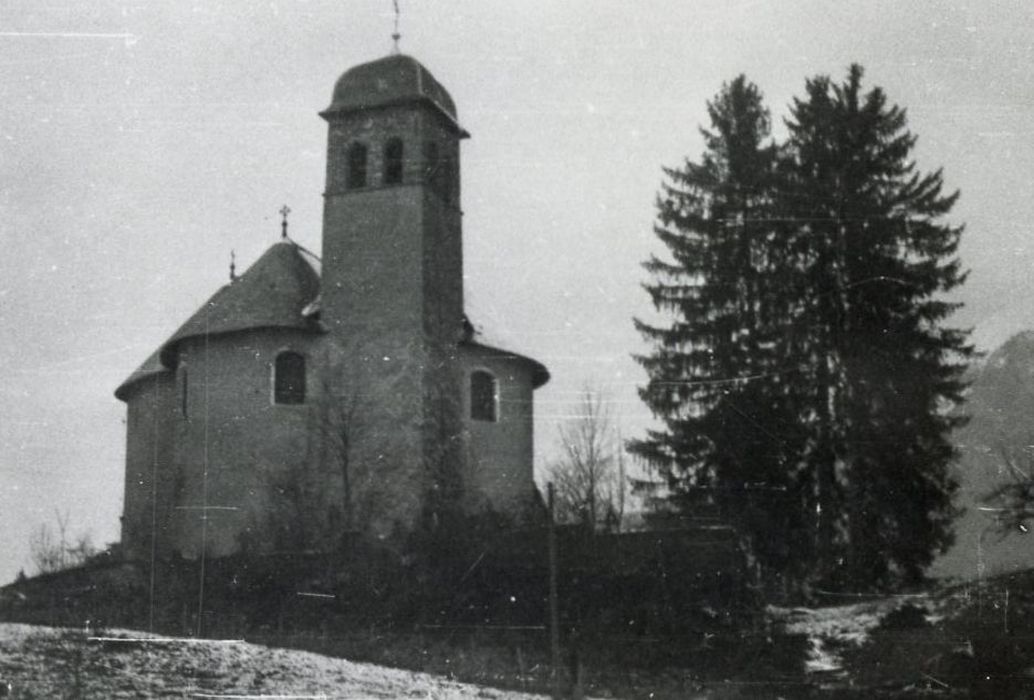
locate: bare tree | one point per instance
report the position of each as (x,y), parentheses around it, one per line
(1012,501)
(338,419)
(306,512)
(52,551)
(588,477)
(46,554)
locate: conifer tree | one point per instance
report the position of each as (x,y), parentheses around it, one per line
(882,367)
(805,377)
(717,375)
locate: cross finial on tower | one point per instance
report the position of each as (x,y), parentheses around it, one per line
(284,211)
(395,36)
(233,266)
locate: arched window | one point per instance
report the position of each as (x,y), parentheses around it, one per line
(431,160)
(484,397)
(393,162)
(183,392)
(356,166)
(446,174)
(289,378)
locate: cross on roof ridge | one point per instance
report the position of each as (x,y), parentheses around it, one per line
(284,211)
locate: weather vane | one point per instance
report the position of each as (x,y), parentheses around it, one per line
(395,36)
(284,211)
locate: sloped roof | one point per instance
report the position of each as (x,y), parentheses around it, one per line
(390,80)
(281,290)
(476,337)
(273,293)
(149,368)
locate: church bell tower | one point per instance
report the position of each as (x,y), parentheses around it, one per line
(392,286)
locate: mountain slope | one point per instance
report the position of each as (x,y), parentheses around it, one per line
(1001,409)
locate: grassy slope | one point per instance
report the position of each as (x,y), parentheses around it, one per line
(43,662)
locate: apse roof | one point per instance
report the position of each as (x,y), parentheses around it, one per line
(150,367)
(280,290)
(273,293)
(494,340)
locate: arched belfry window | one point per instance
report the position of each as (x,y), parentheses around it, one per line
(184,387)
(484,396)
(289,378)
(431,160)
(356,166)
(393,162)
(446,173)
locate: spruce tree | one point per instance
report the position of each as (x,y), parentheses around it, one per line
(805,376)
(882,367)
(717,374)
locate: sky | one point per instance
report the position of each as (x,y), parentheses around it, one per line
(141,142)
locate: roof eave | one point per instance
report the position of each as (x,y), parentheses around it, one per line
(126,387)
(539,374)
(169,350)
(336,111)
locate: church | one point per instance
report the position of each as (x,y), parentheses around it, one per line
(316,397)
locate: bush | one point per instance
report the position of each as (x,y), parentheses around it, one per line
(906,617)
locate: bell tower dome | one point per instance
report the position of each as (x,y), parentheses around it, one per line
(392,280)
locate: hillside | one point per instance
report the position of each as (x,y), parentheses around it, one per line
(46,662)
(967,640)
(1001,409)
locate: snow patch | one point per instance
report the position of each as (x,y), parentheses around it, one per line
(121,664)
(831,628)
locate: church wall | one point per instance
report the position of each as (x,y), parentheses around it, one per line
(500,455)
(443,304)
(392,299)
(373,309)
(259,455)
(149,408)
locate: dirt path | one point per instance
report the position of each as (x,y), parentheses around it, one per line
(44,662)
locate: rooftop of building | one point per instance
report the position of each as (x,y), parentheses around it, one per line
(392,80)
(281,290)
(275,292)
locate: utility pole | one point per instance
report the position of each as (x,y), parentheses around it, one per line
(554,615)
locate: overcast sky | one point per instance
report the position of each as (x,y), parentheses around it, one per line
(141,141)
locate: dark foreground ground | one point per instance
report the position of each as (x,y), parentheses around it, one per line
(974,640)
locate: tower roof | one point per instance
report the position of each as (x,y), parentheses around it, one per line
(392,80)
(273,293)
